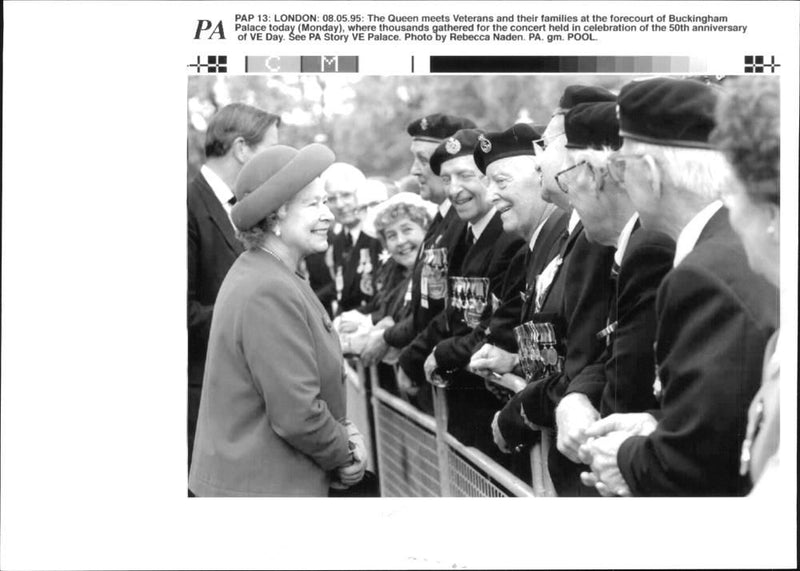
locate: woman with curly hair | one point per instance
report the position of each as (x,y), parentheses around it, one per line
(748,132)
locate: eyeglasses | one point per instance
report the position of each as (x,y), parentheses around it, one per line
(567,177)
(539,145)
(617,166)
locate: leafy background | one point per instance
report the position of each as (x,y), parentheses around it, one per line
(363,118)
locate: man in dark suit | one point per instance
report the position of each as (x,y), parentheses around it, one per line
(622,376)
(354,253)
(427,285)
(234,134)
(714,314)
(477,268)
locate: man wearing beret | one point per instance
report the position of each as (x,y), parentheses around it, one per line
(714,314)
(427,293)
(477,268)
(621,379)
(236,133)
(508,160)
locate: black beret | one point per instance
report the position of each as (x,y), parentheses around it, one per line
(462,143)
(518,140)
(592,126)
(666,111)
(577,94)
(437,127)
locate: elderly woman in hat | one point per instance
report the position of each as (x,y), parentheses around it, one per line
(272,416)
(748,132)
(400,223)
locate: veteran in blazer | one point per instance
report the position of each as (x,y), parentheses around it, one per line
(273,417)
(714,314)
(479,262)
(427,281)
(234,134)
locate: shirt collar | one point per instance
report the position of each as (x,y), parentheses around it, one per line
(624,238)
(354,231)
(480,225)
(221,190)
(538,231)
(688,237)
(574,218)
(444,207)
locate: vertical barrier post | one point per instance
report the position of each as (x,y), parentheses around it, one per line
(438,386)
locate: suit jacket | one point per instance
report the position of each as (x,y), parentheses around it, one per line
(520,280)
(714,319)
(212,249)
(273,398)
(577,305)
(320,278)
(358,280)
(442,233)
(448,333)
(622,379)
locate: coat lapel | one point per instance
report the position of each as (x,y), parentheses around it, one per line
(217,214)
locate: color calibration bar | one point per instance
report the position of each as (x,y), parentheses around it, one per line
(566,64)
(301,64)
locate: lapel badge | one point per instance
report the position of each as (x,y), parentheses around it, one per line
(452,145)
(485,144)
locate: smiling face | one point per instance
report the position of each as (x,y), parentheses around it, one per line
(305,220)
(430,185)
(466,188)
(596,198)
(552,160)
(515,192)
(403,239)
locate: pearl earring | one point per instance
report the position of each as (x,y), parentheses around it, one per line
(277,231)
(770,229)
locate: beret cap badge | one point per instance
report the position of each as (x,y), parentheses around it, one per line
(453,145)
(423,124)
(485,144)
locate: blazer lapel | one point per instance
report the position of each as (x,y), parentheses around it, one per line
(218,215)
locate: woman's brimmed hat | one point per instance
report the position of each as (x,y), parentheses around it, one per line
(273,176)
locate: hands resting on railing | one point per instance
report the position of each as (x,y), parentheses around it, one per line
(581,435)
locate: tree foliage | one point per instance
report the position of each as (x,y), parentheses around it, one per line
(363,119)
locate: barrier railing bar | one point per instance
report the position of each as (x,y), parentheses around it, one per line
(491,468)
(405,408)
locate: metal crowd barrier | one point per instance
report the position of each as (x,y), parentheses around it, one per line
(415,456)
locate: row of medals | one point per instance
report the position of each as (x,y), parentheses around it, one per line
(469,295)
(537,353)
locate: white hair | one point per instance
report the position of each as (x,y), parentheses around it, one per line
(341,176)
(703,173)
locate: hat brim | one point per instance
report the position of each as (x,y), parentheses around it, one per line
(295,174)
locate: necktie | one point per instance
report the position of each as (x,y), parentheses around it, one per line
(232,200)
(348,246)
(470,239)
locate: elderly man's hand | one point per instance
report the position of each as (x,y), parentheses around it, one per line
(489,359)
(574,414)
(430,365)
(375,348)
(499,441)
(405,385)
(634,423)
(601,455)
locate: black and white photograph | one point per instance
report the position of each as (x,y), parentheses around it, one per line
(399,285)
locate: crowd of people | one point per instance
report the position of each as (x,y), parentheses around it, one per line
(621,263)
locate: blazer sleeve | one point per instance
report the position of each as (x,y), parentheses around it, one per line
(279,348)
(709,352)
(198,315)
(628,363)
